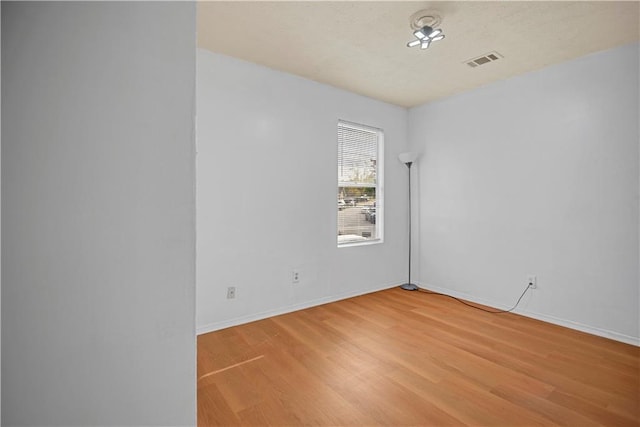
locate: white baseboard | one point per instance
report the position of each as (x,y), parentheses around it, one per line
(216,326)
(539,316)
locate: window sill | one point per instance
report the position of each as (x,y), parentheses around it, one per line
(359,243)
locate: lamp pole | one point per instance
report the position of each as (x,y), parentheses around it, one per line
(409,286)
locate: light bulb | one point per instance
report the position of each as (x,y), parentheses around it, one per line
(419,34)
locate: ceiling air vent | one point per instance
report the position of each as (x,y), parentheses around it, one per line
(484,59)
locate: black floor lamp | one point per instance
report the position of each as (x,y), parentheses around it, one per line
(408,159)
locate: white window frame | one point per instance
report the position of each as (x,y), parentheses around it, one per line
(379,225)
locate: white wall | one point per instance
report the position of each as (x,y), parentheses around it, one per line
(98,211)
(266,193)
(537,174)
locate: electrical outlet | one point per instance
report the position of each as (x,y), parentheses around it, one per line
(532,281)
(231,292)
(295,276)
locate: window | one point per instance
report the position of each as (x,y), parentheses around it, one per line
(359,184)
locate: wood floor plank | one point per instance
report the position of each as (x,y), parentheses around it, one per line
(213,408)
(411,358)
(553,412)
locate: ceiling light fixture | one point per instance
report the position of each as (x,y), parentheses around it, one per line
(423,22)
(425,36)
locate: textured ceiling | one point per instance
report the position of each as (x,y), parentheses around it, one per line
(361,46)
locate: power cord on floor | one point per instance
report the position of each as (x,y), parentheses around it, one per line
(476,307)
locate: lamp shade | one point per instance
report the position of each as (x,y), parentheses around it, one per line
(408,157)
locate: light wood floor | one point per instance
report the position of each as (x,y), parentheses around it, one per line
(410,358)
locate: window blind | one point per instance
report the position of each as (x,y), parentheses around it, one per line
(357,155)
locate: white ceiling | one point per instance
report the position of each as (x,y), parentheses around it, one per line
(361,46)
